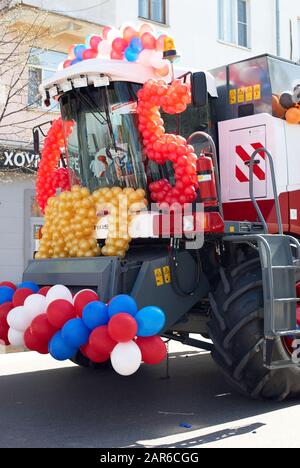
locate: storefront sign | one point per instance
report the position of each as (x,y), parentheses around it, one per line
(13,159)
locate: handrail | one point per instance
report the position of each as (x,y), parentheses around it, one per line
(216,164)
(274,185)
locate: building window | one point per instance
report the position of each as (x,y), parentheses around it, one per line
(42,65)
(154,10)
(234,22)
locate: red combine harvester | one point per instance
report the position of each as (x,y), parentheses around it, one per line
(232,278)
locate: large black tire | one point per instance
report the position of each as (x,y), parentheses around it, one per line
(82,361)
(237,331)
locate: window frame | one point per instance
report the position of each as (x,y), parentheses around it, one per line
(149,16)
(234,24)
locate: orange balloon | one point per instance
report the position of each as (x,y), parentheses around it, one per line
(293,116)
(278,110)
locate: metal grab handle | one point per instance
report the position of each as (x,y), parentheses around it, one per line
(274,185)
(215,161)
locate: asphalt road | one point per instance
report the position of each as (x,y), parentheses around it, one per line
(47,404)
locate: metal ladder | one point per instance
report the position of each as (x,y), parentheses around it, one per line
(279,266)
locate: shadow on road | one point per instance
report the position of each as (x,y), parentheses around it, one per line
(76,407)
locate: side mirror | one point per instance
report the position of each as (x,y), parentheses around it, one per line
(199,89)
(36,140)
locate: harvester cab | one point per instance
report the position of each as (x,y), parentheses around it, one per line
(227,270)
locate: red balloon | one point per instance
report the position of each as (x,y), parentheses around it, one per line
(122,328)
(148,41)
(82,299)
(59,312)
(116,55)
(4,328)
(119,45)
(9,285)
(106,31)
(153,349)
(89,54)
(4,311)
(94,42)
(43,291)
(101,341)
(20,296)
(34,344)
(42,329)
(98,358)
(67,63)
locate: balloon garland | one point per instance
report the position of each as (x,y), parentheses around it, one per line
(50,177)
(71,217)
(129,43)
(287,106)
(51,320)
(161,147)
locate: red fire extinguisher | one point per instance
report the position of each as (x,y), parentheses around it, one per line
(207,181)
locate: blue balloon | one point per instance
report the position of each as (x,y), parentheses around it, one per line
(6,294)
(122,303)
(78,51)
(30,285)
(75,333)
(136,45)
(95,315)
(75,61)
(131,55)
(151,320)
(59,349)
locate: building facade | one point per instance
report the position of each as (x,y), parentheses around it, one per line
(208,33)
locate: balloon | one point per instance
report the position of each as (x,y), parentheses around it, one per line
(146,28)
(75,61)
(153,350)
(59,292)
(95,314)
(151,320)
(20,296)
(136,45)
(18,319)
(75,333)
(122,303)
(16,338)
(44,291)
(34,344)
(105,31)
(119,45)
(277,109)
(122,328)
(59,312)
(104,49)
(89,54)
(130,55)
(293,116)
(116,55)
(82,299)
(157,60)
(112,35)
(6,294)
(148,41)
(162,72)
(59,349)
(286,100)
(94,42)
(126,358)
(9,285)
(28,284)
(160,43)
(129,33)
(35,305)
(79,50)
(42,329)
(101,342)
(4,311)
(95,357)
(145,57)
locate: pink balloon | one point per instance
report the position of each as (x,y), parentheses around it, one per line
(160,42)
(146,28)
(106,31)
(145,57)
(163,72)
(104,49)
(148,41)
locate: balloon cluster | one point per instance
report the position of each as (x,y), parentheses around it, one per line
(69,229)
(287,106)
(121,206)
(128,43)
(71,217)
(51,320)
(161,147)
(50,177)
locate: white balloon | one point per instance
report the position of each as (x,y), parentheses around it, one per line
(35,305)
(16,338)
(18,319)
(126,358)
(60,66)
(58,292)
(104,49)
(112,35)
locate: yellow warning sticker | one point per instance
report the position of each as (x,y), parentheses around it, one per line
(257,92)
(167,274)
(232,96)
(249,94)
(241,95)
(159,277)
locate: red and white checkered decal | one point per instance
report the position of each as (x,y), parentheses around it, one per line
(243,155)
